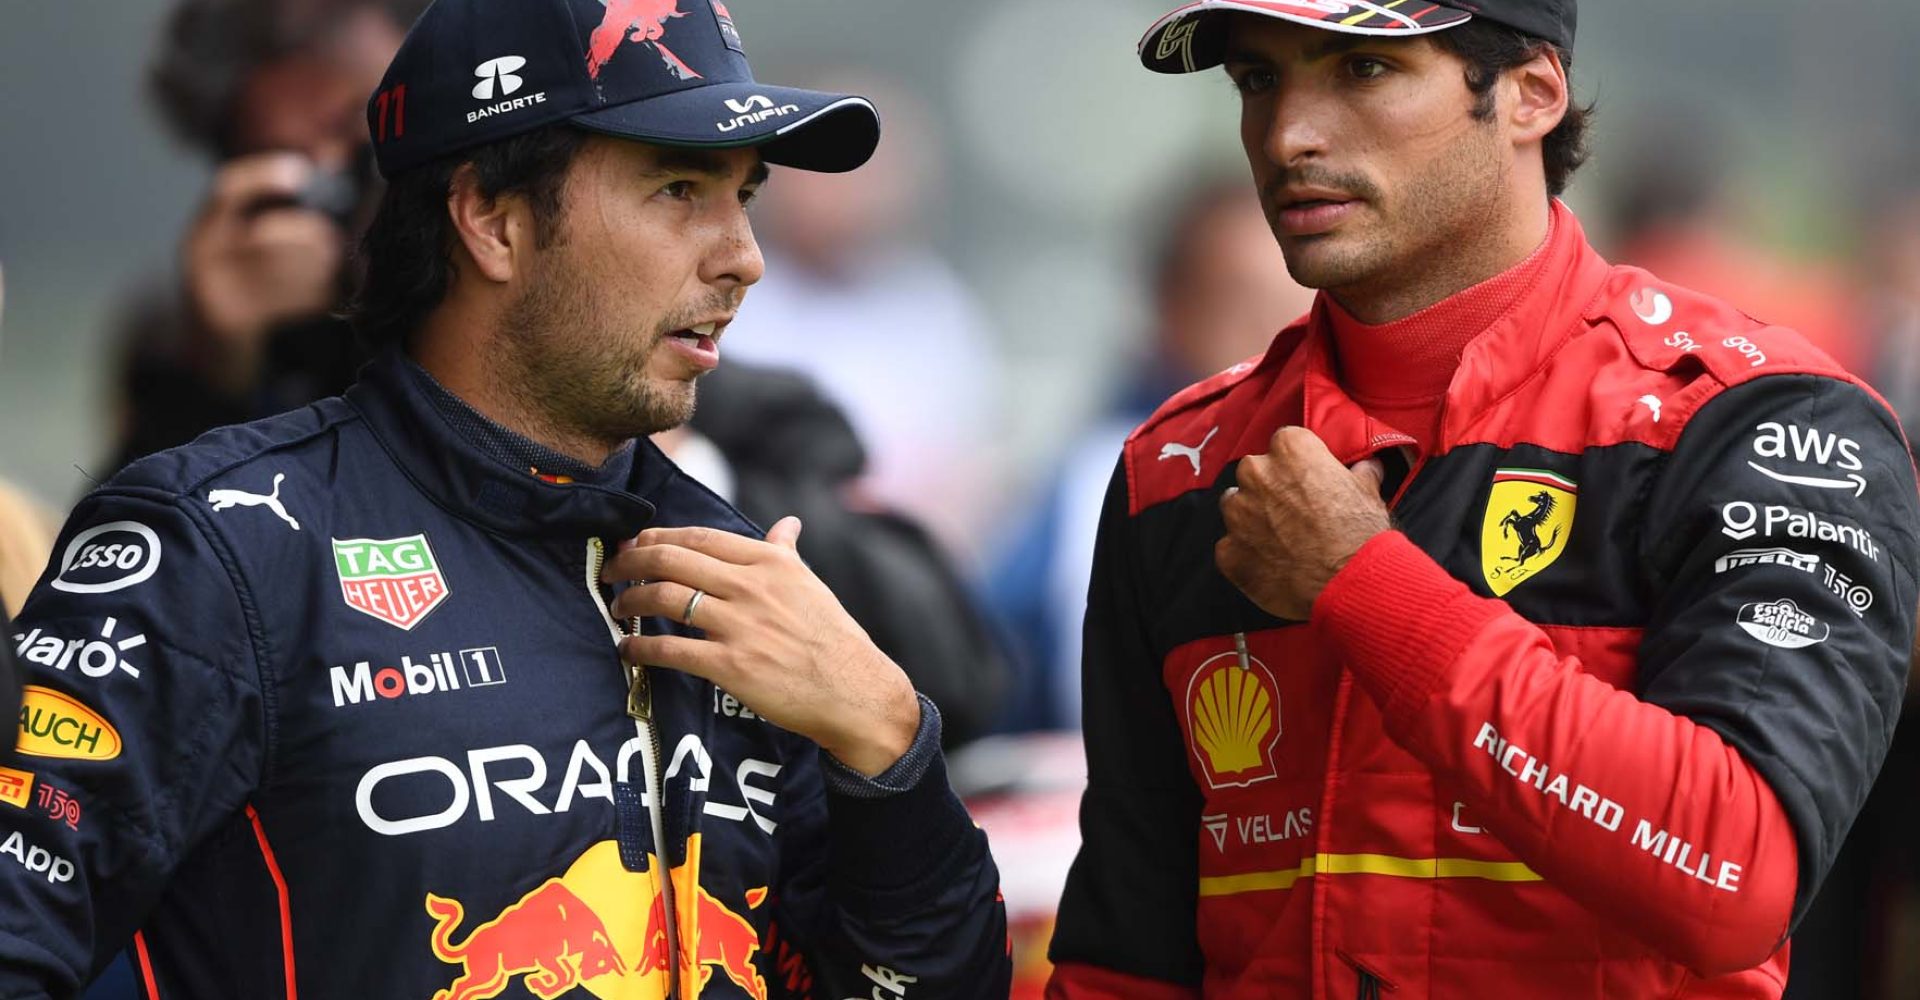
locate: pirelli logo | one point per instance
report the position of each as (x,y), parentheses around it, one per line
(1766,557)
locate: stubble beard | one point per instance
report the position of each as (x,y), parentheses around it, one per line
(576,371)
(1415,245)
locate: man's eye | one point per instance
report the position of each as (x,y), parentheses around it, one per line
(748,195)
(1254,81)
(680,190)
(1366,68)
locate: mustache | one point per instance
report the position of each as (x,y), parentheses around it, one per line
(1356,185)
(682,318)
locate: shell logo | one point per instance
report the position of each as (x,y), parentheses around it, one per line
(1233,720)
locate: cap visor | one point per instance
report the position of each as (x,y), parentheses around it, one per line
(1193,37)
(805,129)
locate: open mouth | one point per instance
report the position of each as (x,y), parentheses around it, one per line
(700,335)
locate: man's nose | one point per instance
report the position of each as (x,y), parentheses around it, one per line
(735,261)
(1296,128)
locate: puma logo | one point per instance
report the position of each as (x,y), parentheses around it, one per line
(1190,452)
(1651,402)
(223,499)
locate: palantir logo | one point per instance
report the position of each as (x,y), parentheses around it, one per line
(497,76)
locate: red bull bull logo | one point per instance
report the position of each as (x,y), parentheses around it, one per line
(551,937)
(602,929)
(647,20)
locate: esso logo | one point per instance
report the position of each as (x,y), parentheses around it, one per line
(108,557)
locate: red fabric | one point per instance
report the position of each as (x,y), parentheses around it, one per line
(1440,661)
(1399,371)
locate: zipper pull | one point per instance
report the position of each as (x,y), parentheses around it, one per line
(639,694)
(1240,649)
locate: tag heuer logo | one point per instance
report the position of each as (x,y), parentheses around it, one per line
(392,579)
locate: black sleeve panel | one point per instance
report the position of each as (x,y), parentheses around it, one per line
(143,731)
(1130,900)
(1781,554)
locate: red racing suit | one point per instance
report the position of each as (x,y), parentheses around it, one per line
(1591,723)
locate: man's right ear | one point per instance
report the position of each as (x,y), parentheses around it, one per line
(485,225)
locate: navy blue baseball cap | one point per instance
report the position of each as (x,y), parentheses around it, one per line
(1193,36)
(668,72)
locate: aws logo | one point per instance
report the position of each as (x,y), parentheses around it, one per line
(1233,720)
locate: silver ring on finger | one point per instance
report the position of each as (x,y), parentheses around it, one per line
(693,604)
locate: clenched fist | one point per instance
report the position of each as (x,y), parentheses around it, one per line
(1295,518)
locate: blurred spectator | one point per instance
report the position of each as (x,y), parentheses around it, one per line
(855,298)
(1671,212)
(26,537)
(26,541)
(769,443)
(1894,304)
(1220,293)
(274,93)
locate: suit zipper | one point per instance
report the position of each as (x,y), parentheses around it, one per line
(1371,982)
(640,709)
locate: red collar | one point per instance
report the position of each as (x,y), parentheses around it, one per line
(1496,348)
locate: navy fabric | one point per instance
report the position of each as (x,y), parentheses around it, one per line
(288,753)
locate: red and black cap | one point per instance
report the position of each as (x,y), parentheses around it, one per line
(1193,37)
(668,72)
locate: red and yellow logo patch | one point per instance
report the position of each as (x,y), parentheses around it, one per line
(1233,720)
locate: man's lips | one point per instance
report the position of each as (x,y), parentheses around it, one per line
(1314,213)
(700,343)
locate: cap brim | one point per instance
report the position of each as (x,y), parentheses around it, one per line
(804,129)
(1193,37)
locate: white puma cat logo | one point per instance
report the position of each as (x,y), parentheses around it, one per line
(223,499)
(1190,452)
(1651,402)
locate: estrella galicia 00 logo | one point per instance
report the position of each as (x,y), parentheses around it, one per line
(1781,623)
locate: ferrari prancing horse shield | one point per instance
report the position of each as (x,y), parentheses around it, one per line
(1529,514)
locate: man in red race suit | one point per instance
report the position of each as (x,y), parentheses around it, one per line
(1518,625)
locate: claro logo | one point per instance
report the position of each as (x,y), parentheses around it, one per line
(53,724)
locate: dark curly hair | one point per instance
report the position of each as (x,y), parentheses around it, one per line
(1491,49)
(209,48)
(405,260)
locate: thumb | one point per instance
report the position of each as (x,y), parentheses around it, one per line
(785,533)
(1370,473)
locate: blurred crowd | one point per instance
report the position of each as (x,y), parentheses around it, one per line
(865,385)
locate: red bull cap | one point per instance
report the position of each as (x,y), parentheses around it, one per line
(1194,37)
(668,72)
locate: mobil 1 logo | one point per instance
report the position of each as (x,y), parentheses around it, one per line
(433,674)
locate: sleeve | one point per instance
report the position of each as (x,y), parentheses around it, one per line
(1127,926)
(9,679)
(1707,806)
(140,731)
(888,893)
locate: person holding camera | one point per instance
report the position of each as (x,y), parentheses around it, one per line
(272,93)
